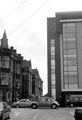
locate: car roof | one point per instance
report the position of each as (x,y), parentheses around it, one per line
(78,108)
(45,97)
(2,102)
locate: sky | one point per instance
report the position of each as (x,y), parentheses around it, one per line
(25,22)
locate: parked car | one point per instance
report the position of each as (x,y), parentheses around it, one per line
(5,111)
(78,113)
(74,100)
(44,102)
(21,103)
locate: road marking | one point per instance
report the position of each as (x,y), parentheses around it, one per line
(72,113)
(50,119)
(35,116)
(17,113)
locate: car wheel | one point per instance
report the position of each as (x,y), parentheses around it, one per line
(53,106)
(34,106)
(17,106)
(8,116)
(1,116)
(71,105)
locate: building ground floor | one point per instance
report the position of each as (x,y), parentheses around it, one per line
(66,97)
(6,95)
(11,95)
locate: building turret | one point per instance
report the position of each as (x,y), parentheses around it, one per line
(4,40)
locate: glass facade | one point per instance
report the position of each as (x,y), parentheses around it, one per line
(53,89)
(70,72)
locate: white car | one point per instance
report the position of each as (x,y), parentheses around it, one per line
(21,103)
(5,111)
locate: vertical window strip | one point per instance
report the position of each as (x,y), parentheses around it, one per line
(65,39)
(52,50)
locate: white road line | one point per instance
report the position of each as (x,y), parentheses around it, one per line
(35,117)
(50,119)
(17,113)
(72,113)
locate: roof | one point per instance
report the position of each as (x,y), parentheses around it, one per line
(26,63)
(35,72)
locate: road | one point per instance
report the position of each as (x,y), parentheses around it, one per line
(42,114)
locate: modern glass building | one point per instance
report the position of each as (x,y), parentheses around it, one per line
(64,48)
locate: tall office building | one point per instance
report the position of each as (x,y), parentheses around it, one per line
(64,48)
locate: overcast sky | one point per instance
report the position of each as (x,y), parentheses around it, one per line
(25,22)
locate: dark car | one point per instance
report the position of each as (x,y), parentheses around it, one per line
(5,110)
(74,100)
(21,103)
(44,102)
(78,113)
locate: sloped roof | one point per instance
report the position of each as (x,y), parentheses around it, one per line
(26,63)
(35,72)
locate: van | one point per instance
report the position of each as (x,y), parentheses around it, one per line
(74,100)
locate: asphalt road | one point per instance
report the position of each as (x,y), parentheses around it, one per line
(42,114)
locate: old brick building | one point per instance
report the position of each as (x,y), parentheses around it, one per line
(37,84)
(26,79)
(10,72)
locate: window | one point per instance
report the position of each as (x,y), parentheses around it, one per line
(70,35)
(73,79)
(66,86)
(65,73)
(66,79)
(72,68)
(0,61)
(52,48)
(52,76)
(71,24)
(17,68)
(53,62)
(72,62)
(53,67)
(72,55)
(71,39)
(52,70)
(72,73)
(11,65)
(81,99)
(65,68)
(53,82)
(48,99)
(71,29)
(42,99)
(5,80)
(71,51)
(76,98)
(52,41)
(5,61)
(53,86)
(53,53)
(65,62)
(53,91)
(73,86)
(71,45)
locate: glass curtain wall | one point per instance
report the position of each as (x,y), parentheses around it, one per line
(70,56)
(53,89)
